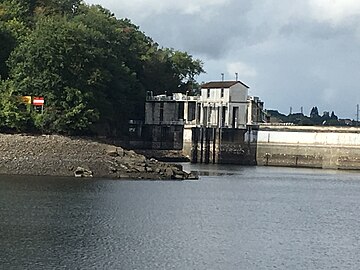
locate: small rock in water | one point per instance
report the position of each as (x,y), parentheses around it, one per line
(82,172)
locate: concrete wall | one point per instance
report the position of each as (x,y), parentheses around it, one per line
(200,145)
(238,98)
(167,113)
(218,145)
(289,146)
(238,93)
(236,148)
(159,137)
(315,147)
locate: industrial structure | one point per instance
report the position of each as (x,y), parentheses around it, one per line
(170,121)
(223,124)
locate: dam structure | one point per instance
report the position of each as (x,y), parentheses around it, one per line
(274,145)
(314,147)
(223,124)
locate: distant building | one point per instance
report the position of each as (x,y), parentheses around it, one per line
(255,111)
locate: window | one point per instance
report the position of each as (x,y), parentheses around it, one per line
(208,93)
(165,134)
(223,116)
(180,110)
(161,111)
(222,92)
(235,119)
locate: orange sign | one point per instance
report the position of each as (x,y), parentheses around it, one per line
(26,99)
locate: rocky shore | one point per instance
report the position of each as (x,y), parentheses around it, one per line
(164,155)
(56,155)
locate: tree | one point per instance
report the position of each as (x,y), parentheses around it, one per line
(46,7)
(314,112)
(171,71)
(6,47)
(186,68)
(13,29)
(126,48)
(14,115)
(333,116)
(80,69)
(59,61)
(92,68)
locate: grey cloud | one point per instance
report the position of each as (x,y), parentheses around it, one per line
(316,30)
(204,36)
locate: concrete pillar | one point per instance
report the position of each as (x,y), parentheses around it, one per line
(186,111)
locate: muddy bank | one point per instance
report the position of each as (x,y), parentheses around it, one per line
(56,155)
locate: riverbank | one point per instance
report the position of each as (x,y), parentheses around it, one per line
(56,155)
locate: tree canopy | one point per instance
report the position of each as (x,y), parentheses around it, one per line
(314,119)
(91,68)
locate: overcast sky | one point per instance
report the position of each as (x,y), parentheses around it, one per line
(291,53)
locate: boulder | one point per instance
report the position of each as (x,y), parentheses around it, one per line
(83,172)
(169,172)
(193,176)
(178,177)
(114,151)
(113,169)
(123,176)
(139,168)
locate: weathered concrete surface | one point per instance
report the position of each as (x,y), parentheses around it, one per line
(218,145)
(63,156)
(290,146)
(315,147)
(235,147)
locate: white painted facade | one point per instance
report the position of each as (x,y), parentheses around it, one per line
(309,138)
(224,104)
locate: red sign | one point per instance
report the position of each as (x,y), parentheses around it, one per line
(38,101)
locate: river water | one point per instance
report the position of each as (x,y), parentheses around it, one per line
(232,218)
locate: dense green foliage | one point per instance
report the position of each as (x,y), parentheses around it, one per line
(92,69)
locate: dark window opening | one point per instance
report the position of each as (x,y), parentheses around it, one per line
(161,111)
(180,110)
(235,117)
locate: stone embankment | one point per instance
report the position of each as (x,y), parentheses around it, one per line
(56,155)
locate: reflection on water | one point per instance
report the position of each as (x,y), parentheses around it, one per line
(233,218)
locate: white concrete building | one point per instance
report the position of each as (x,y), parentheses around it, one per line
(177,109)
(224,104)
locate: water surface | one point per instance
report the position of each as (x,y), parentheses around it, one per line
(232,218)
